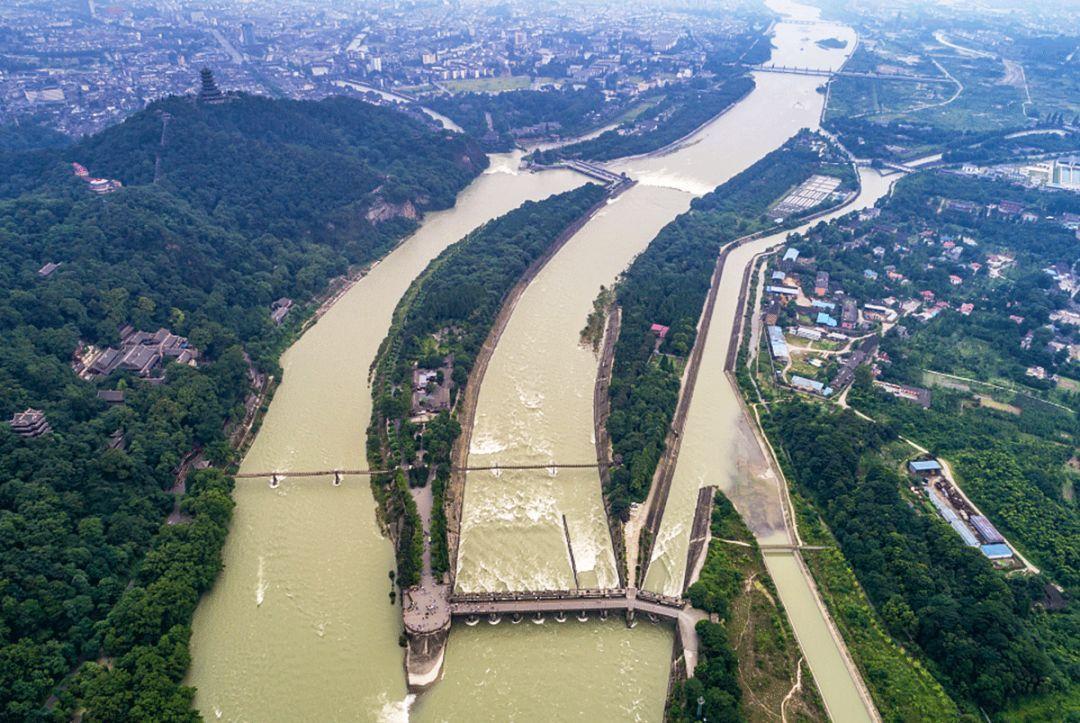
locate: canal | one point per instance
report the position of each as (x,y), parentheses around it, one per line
(719,447)
(535,406)
(300,625)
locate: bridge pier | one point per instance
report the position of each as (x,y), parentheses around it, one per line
(583,617)
(337,478)
(494,619)
(538,618)
(515,618)
(630,622)
(560,617)
(274,481)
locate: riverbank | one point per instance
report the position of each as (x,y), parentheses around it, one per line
(467,402)
(299,595)
(665,288)
(683,141)
(606,147)
(601,412)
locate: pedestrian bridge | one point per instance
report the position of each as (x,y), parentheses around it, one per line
(276,476)
(825,73)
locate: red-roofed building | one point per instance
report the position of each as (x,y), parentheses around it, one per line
(661,332)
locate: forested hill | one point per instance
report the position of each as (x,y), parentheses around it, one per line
(262,164)
(29,136)
(255,200)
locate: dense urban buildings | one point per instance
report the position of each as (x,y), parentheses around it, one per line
(79,71)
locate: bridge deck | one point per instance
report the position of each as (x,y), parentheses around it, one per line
(528,604)
(406,468)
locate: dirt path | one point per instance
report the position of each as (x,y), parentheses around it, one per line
(601,410)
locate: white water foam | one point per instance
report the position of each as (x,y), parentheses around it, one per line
(486,444)
(530,399)
(505,164)
(260,585)
(666,179)
(396,711)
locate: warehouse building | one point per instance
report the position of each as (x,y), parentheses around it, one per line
(777,344)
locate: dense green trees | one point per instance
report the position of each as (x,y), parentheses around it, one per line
(575,111)
(680,110)
(29,136)
(145,635)
(449,311)
(254,199)
(715,685)
(1001,148)
(976,627)
(667,285)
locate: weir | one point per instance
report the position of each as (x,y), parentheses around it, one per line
(319,574)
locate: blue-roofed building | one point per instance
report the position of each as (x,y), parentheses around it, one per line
(924,466)
(870,274)
(997,551)
(778,276)
(777,343)
(791,254)
(819,304)
(951,517)
(826,320)
(810,385)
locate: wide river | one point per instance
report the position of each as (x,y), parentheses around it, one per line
(299,625)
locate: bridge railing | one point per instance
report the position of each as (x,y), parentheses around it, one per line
(515,596)
(582,594)
(659,599)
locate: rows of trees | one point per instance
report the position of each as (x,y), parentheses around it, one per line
(899,140)
(681,110)
(576,111)
(667,284)
(253,200)
(1002,148)
(448,311)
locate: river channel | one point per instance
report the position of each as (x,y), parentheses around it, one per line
(299,625)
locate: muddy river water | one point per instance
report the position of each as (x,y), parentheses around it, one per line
(300,625)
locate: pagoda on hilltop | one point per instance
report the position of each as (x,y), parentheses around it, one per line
(209,94)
